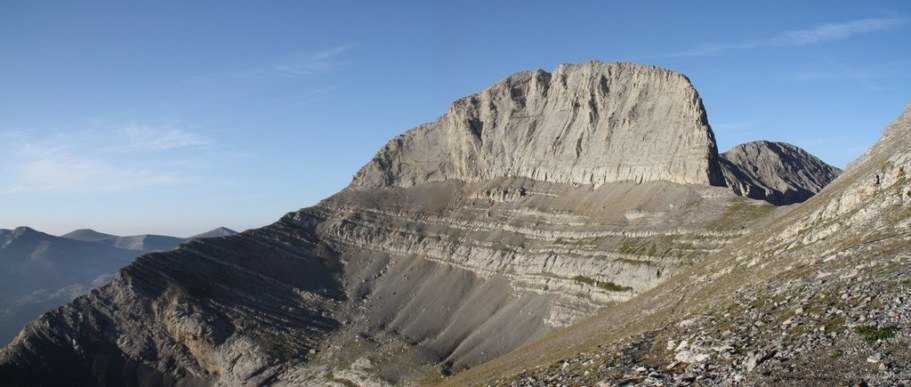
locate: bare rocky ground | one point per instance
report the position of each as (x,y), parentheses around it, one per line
(842,323)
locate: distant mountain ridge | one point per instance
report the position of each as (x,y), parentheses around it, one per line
(88,235)
(215,233)
(36,267)
(143,242)
(39,271)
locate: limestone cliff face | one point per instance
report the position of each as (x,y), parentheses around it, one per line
(590,123)
(776,172)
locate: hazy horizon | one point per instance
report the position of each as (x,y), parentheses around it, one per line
(177,118)
(60,234)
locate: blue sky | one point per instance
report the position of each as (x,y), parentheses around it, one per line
(164,117)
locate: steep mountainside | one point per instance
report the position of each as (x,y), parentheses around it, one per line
(524,209)
(40,271)
(776,172)
(819,297)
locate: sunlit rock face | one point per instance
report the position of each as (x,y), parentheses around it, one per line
(591,123)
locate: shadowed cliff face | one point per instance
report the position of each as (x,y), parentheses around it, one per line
(526,208)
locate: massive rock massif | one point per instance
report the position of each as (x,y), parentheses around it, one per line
(591,123)
(525,208)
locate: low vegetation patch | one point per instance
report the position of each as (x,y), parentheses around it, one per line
(835,325)
(606,285)
(739,213)
(872,333)
(628,246)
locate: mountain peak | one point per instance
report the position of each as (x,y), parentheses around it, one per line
(776,172)
(88,235)
(22,235)
(24,231)
(589,123)
(215,233)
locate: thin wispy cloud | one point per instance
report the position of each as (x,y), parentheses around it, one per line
(157,138)
(68,172)
(822,33)
(298,65)
(117,159)
(312,70)
(875,76)
(310,64)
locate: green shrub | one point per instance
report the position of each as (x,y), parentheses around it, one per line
(606,285)
(872,333)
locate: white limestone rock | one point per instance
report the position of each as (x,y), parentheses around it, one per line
(590,123)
